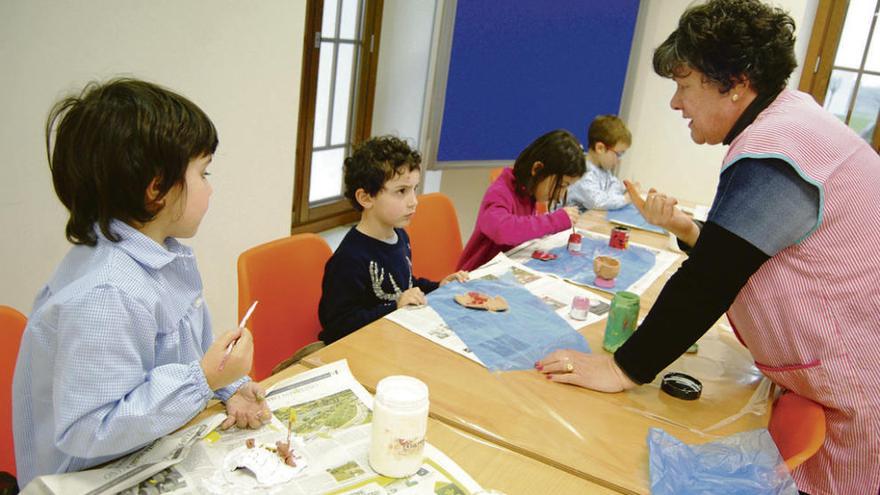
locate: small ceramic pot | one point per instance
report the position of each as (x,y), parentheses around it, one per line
(606,267)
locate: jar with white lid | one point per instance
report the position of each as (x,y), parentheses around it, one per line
(400,423)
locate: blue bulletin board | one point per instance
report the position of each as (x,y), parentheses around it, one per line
(519,68)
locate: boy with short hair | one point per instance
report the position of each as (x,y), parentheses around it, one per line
(370,274)
(599,189)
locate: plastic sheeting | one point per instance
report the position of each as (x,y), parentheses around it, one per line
(746,463)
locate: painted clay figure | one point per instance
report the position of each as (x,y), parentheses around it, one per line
(478,300)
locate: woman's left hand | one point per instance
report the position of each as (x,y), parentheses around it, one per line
(595,372)
(459,276)
(247,407)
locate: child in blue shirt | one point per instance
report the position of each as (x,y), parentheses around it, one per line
(118,349)
(370,274)
(608,139)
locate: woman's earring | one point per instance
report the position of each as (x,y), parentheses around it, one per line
(734,97)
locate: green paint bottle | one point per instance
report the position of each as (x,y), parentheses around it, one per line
(622,320)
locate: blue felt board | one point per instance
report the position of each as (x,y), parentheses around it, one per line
(520,68)
(630,215)
(508,340)
(635,262)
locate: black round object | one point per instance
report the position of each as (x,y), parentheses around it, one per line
(681,386)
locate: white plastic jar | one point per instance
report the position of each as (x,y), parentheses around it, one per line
(400,423)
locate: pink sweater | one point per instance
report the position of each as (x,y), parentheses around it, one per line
(507,219)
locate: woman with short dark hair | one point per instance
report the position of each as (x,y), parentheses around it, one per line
(789,249)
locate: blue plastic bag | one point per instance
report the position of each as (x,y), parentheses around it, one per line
(746,463)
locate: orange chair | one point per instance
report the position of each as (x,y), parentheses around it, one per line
(12,325)
(797,426)
(494,173)
(540,208)
(434,237)
(285,276)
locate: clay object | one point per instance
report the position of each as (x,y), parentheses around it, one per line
(285,453)
(478,300)
(606,267)
(543,255)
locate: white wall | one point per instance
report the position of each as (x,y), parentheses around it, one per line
(239,61)
(663,155)
(403,74)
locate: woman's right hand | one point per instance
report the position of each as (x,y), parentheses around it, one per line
(660,210)
(237,364)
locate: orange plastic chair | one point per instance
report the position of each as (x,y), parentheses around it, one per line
(434,237)
(797,426)
(12,325)
(285,276)
(540,208)
(494,173)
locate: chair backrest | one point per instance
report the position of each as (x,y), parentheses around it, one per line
(285,276)
(494,173)
(434,237)
(797,426)
(540,207)
(12,325)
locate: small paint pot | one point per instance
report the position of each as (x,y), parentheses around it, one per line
(681,386)
(619,238)
(580,307)
(574,242)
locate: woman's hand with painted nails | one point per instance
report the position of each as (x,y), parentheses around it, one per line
(595,372)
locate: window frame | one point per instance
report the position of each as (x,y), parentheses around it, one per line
(306,217)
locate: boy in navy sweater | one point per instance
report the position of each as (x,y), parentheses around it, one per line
(370,274)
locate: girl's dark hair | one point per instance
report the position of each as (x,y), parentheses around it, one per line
(729,40)
(375,162)
(560,152)
(111,141)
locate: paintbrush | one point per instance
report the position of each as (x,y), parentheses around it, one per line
(232,344)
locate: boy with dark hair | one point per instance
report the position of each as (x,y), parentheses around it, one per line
(118,350)
(370,274)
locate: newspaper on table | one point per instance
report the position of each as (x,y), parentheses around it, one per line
(330,437)
(662,259)
(556,293)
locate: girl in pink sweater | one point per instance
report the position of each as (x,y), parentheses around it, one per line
(507,217)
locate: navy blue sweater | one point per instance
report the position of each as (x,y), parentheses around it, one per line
(362,282)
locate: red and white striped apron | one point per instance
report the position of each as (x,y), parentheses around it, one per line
(811,314)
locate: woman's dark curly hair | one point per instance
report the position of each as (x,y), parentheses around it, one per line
(562,155)
(729,41)
(375,162)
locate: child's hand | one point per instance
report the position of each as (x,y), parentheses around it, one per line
(247,408)
(237,364)
(412,297)
(460,276)
(573,214)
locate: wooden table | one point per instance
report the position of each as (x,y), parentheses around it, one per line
(492,466)
(599,437)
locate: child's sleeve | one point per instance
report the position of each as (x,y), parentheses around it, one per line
(345,306)
(110,396)
(589,193)
(425,284)
(498,222)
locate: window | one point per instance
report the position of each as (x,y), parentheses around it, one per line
(844,54)
(339,70)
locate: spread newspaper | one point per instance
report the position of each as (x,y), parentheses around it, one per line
(330,439)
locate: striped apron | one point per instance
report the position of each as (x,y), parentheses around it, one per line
(811,314)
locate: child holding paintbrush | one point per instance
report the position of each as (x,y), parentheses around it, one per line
(118,350)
